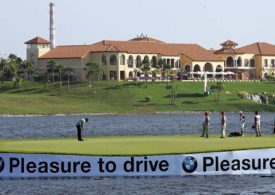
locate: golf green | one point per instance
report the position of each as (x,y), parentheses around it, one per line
(136,145)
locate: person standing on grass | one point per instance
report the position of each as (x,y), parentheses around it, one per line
(242,119)
(223,124)
(257,124)
(205,125)
(79,127)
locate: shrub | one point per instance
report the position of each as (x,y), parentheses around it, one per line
(148,99)
(242,94)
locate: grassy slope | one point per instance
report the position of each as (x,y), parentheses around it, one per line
(137,145)
(123,97)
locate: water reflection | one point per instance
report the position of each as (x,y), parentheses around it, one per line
(222,184)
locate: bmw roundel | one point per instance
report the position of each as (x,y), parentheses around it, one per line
(189,164)
(2,164)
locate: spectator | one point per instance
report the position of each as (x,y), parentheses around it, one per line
(205,125)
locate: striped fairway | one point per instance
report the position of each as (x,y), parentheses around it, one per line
(136,145)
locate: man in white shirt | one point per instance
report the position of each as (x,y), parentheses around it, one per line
(257,124)
(242,119)
(205,125)
(223,124)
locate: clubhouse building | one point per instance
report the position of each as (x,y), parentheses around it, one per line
(122,60)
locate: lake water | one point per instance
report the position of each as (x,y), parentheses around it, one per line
(107,125)
(149,124)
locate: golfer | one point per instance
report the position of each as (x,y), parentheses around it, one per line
(223,124)
(205,125)
(79,127)
(257,124)
(242,119)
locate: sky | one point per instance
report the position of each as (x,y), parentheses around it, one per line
(205,22)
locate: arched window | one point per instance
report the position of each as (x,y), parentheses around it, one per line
(138,61)
(104,60)
(197,68)
(229,62)
(130,61)
(122,59)
(154,61)
(219,68)
(146,59)
(113,59)
(187,68)
(208,67)
(239,62)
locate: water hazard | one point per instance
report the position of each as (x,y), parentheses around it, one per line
(108,125)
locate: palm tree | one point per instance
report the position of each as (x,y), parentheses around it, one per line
(60,68)
(45,77)
(3,63)
(51,65)
(93,69)
(145,68)
(68,71)
(27,68)
(14,70)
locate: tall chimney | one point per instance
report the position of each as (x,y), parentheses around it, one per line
(52,26)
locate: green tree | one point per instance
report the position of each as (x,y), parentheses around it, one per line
(3,65)
(173,90)
(68,71)
(13,67)
(45,79)
(145,68)
(93,69)
(217,89)
(51,66)
(27,68)
(166,70)
(15,59)
(161,63)
(60,69)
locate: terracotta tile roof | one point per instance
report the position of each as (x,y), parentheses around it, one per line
(259,48)
(228,51)
(73,51)
(229,43)
(193,51)
(148,39)
(37,40)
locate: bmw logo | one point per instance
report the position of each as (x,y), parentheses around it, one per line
(189,164)
(2,164)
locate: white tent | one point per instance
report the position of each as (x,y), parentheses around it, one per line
(198,72)
(229,73)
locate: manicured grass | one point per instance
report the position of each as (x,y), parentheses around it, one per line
(137,145)
(126,97)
